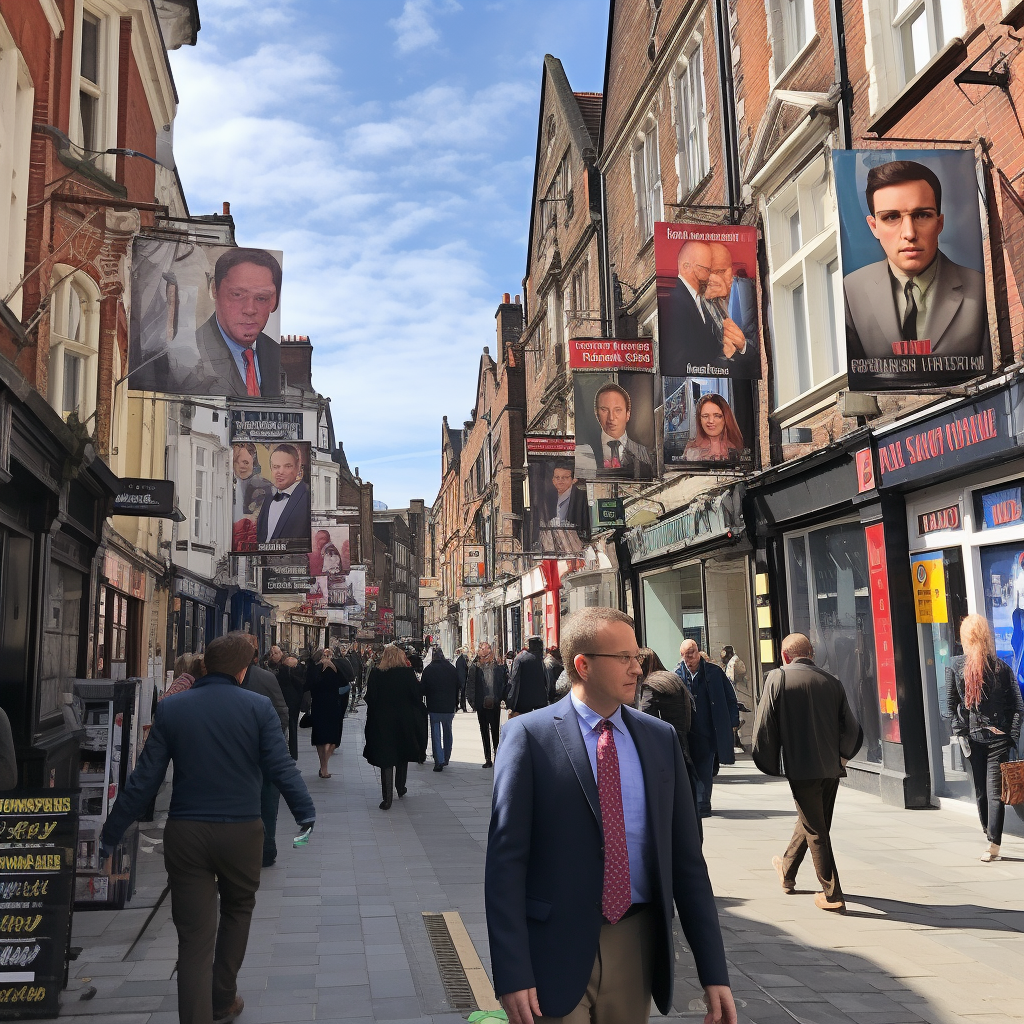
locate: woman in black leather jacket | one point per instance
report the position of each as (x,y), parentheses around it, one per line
(986,708)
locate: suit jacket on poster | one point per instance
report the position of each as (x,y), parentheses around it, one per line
(294,521)
(957,323)
(685,338)
(577,513)
(217,372)
(636,463)
(544,873)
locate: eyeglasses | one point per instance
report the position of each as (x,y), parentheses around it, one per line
(622,659)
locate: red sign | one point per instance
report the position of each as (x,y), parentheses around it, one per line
(545,445)
(865,471)
(885,655)
(611,354)
(947,518)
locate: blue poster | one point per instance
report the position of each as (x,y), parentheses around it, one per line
(1002,573)
(1002,507)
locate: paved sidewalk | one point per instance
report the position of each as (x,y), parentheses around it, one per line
(932,935)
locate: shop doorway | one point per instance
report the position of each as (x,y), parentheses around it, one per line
(673,607)
(941,604)
(728,602)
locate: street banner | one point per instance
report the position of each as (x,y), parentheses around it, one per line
(265,425)
(707,300)
(329,555)
(881,618)
(611,354)
(205,319)
(559,514)
(142,497)
(614,426)
(708,424)
(913,267)
(271,509)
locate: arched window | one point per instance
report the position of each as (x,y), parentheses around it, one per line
(74,342)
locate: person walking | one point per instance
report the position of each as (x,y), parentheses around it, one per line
(487,680)
(223,741)
(805,729)
(285,668)
(462,667)
(664,695)
(440,683)
(328,681)
(187,669)
(986,708)
(715,715)
(528,683)
(396,722)
(552,670)
(592,838)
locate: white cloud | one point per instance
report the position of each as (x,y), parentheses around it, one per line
(413,27)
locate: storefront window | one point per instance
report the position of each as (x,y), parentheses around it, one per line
(60,637)
(1002,573)
(674,611)
(830,602)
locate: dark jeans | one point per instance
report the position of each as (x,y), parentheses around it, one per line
(270,799)
(293,733)
(988,784)
(490,724)
(205,859)
(702,751)
(441,736)
(815,801)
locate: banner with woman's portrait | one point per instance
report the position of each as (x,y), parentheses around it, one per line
(709,423)
(271,510)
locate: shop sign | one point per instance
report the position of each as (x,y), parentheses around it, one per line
(543,444)
(387,619)
(865,471)
(124,576)
(305,620)
(265,425)
(139,497)
(881,616)
(948,518)
(474,565)
(1000,506)
(201,592)
(611,354)
(609,512)
(929,574)
(284,581)
(701,521)
(955,440)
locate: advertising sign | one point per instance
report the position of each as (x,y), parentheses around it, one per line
(348,592)
(614,426)
(881,616)
(474,563)
(287,581)
(929,575)
(329,555)
(913,267)
(947,518)
(708,423)
(611,354)
(707,300)
(205,319)
(138,497)
(1002,577)
(559,521)
(1000,506)
(265,425)
(610,512)
(272,500)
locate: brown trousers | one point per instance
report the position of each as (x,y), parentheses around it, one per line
(204,858)
(619,990)
(815,801)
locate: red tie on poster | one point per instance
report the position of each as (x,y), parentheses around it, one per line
(252,385)
(882,620)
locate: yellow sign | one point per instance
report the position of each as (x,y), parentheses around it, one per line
(929,589)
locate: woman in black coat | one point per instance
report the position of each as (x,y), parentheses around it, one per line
(396,721)
(986,708)
(329,682)
(664,695)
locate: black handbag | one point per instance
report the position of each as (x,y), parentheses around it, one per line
(306,721)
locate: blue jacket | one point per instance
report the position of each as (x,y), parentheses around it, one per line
(223,740)
(712,685)
(544,872)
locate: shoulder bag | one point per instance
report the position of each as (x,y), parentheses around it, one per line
(1012,782)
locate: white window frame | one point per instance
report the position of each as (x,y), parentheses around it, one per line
(943,20)
(689,99)
(646,167)
(105,90)
(85,346)
(202,493)
(789,18)
(815,365)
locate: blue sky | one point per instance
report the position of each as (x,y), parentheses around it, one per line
(387,147)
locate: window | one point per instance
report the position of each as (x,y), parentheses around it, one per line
(74,343)
(691,122)
(329,491)
(325,437)
(794,23)
(921,28)
(61,630)
(647,183)
(16,96)
(806,285)
(559,189)
(203,497)
(541,343)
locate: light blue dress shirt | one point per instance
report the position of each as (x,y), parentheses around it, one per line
(236,351)
(631,781)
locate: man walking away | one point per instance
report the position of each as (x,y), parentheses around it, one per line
(805,723)
(223,741)
(592,838)
(462,667)
(528,685)
(715,715)
(441,688)
(552,670)
(486,683)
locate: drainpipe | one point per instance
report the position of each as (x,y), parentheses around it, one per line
(842,80)
(727,98)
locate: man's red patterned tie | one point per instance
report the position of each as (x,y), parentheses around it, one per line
(252,385)
(617,896)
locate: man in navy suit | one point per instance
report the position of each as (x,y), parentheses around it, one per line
(286,515)
(593,835)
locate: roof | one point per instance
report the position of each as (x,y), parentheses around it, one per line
(590,104)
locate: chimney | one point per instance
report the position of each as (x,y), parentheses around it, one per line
(227,209)
(297,360)
(505,298)
(510,323)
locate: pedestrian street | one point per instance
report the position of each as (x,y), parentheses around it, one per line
(339,934)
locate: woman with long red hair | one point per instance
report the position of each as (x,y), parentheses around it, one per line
(986,708)
(719,438)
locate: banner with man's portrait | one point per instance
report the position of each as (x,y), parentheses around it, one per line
(915,309)
(559,514)
(708,423)
(205,319)
(707,301)
(614,426)
(271,510)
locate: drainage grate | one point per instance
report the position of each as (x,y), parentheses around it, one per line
(449,966)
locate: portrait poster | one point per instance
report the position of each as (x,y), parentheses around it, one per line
(559,519)
(914,304)
(205,319)
(348,592)
(316,596)
(329,555)
(707,301)
(271,508)
(708,424)
(614,426)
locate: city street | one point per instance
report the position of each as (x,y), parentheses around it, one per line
(931,935)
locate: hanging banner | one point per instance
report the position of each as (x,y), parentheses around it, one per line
(329,555)
(559,513)
(205,319)
(708,423)
(272,500)
(707,300)
(474,563)
(265,425)
(881,617)
(140,497)
(913,267)
(614,426)
(611,354)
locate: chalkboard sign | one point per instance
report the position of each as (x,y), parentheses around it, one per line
(38,836)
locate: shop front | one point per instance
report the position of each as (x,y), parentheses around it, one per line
(196,613)
(513,618)
(304,633)
(961,474)
(120,599)
(541,588)
(250,613)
